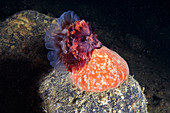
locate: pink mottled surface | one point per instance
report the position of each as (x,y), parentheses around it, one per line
(105,70)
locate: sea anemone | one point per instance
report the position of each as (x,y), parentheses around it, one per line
(75,48)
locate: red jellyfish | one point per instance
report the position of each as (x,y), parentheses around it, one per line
(75,48)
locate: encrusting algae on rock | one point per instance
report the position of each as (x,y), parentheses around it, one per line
(75,48)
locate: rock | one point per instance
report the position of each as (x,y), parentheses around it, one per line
(23,34)
(22,60)
(59,94)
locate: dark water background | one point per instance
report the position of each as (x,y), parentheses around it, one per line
(147,20)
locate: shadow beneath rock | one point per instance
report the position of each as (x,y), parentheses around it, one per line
(19,85)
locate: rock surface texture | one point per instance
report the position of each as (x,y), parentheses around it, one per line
(59,95)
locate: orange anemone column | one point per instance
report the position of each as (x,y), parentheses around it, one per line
(105,70)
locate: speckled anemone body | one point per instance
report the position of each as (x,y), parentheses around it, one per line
(75,48)
(105,70)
